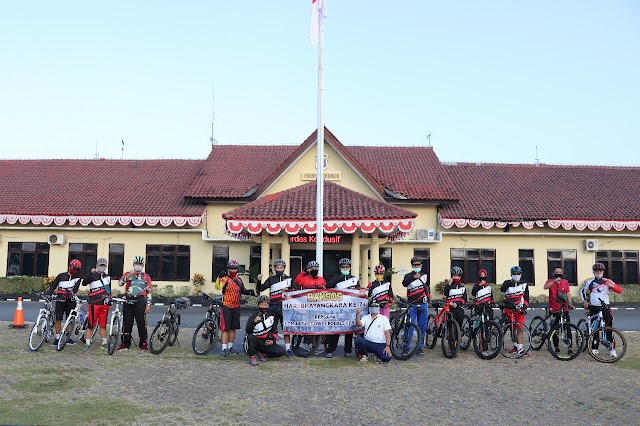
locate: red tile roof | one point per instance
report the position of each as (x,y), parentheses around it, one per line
(299,203)
(98,187)
(516,192)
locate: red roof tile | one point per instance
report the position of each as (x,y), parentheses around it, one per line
(98,187)
(299,203)
(515,192)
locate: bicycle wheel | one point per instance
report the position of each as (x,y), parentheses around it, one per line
(205,337)
(114,335)
(465,333)
(487,340)
(68,330)
(583,325)
(450,341)
(538,327)
(405,341)
(509,340)
(38,334)
(160,337)
(603,349)
(176,330)
(570,340)
(305,345)
(431,332)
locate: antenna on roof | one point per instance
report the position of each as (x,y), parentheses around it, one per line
(537,160)
(96,157)
(212,139)
(122,150)
(429,139)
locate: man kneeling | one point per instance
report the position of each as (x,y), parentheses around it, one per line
(262,333)
(377,334)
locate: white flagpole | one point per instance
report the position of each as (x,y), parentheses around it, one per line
(320,151)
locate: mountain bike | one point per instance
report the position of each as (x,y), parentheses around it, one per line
(442,325)
(465,329)
(69,326)
(207,333)
(510,335)
(561,338)
(43,328)
(166,331)
(486,334)
(539,327)
(115,323)
(405,334)
(614,342)
(83,324)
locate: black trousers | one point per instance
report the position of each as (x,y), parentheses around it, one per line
(131,311)
(258,345)
(458,315)
(556,320)
(332,342)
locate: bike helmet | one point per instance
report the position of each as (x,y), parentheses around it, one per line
(138,259)
(278,262)
(232,264)
(263,299)
(379,269)
(598,267)
(456,270)
(344,261)
(516,270)
(416,259)
(75,264)
(313,264)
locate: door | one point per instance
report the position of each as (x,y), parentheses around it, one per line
(295,266)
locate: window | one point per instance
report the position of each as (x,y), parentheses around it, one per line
(472,260)
(220,259)
(116,260)
(425,255)
(525,260)
(168,263)
(567,260)
(85,253)
(385,255)
(30,259)
(255,256)
(622,266)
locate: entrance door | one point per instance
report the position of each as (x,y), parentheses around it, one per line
(295,266)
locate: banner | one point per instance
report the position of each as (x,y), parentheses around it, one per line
(323,311)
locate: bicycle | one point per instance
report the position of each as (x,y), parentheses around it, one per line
(602,335)
(207,333)
(43,328)
(486,334)
(83,324)
(115,323)
(560,337)
(510,336)
(69,326)
(442,325)
(466,329)
(166,331)
(539,328)
(405,334)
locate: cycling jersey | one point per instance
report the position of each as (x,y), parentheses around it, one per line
(554,290)
(267,328)
(455,293)
(598,289)
(97,281)
(342,282)
(516,292)
(482,294)
(277,285)
(306,281)
(232,288)
(137,284)
(66,283)
(417,289)
(381,292)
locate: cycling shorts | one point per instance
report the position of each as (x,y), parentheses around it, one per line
(98,315)
(514,315)
(64,307)
(230,319)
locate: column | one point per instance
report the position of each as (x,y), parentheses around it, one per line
(355,258)
(264,258)
(375,254)
(285,251)
(364,263)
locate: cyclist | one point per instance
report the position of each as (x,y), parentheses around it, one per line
(309,279)
(595,289)
(558,292)
(99,284)
(67,284)
(483,294)
(262,334)
(518,294)
(418,295)
(342,281)
(277,285)
(377,334)
(456,294)
(232,289)
(138,287)
(380,290)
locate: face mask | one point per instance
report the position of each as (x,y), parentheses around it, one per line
(102,268)
(314,272)
(456,280)
(599,276)
(515,278)
(73,272)
(233,272)
(344,271)
(379,278)
(137,268)
(279,273)
(263,310)
(374,310)
(416,270)
(557,275)
(483,278)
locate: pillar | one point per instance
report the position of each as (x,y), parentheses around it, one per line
(364,263)
(285,251)
(264,258)
(375,254)
(355,258)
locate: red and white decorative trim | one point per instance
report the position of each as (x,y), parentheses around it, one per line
(103,220)
(241,228)
(580,225)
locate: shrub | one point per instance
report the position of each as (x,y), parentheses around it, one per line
(168,291)
(184,291)
(439,287)
(21,284)
(198,282)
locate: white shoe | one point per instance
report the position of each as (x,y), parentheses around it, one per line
(595,351)
(613,353)
(364,359)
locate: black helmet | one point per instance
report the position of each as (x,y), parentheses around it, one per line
(263,299)
(416,259)
(344,261)
(313,264)
(279,262)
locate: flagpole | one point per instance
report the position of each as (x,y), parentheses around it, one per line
(320,151)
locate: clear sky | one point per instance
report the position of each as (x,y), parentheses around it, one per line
(488,80)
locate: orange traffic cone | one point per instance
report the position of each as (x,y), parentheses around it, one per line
(18,318)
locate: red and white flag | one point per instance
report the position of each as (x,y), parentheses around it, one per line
(318,15)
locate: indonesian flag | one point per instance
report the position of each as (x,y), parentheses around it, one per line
(318,15)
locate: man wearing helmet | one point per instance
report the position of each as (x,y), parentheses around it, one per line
(277,285)
(483,294)
(596,291)
(67,284)
(344,280)
(418,295)
(380,291)
(138,287)
(309,278)
(232,289)
(516,295)
(99,284)
(559,301)
(262,334)
(377,334)
(456,294)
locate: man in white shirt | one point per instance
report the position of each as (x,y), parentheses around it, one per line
(377,334)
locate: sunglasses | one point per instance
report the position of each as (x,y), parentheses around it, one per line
(379,275)
(74,268)
(417,265)
(345,267)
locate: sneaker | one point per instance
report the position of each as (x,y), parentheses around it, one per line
(123,348)
(319,350)
(557,350)
(86,348)
(263,357)
(484,353)
(364,359)
(144,347)
(70,342)
(253,361)
(378,360)
(232,351)
(288,353)
(570,352)
(521,352)
(348,355)
(104,346)
(613,353)
(55,342)
(224,352)
(514,350)
(83,339)
(329,355)
(420,351)
(595,351)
